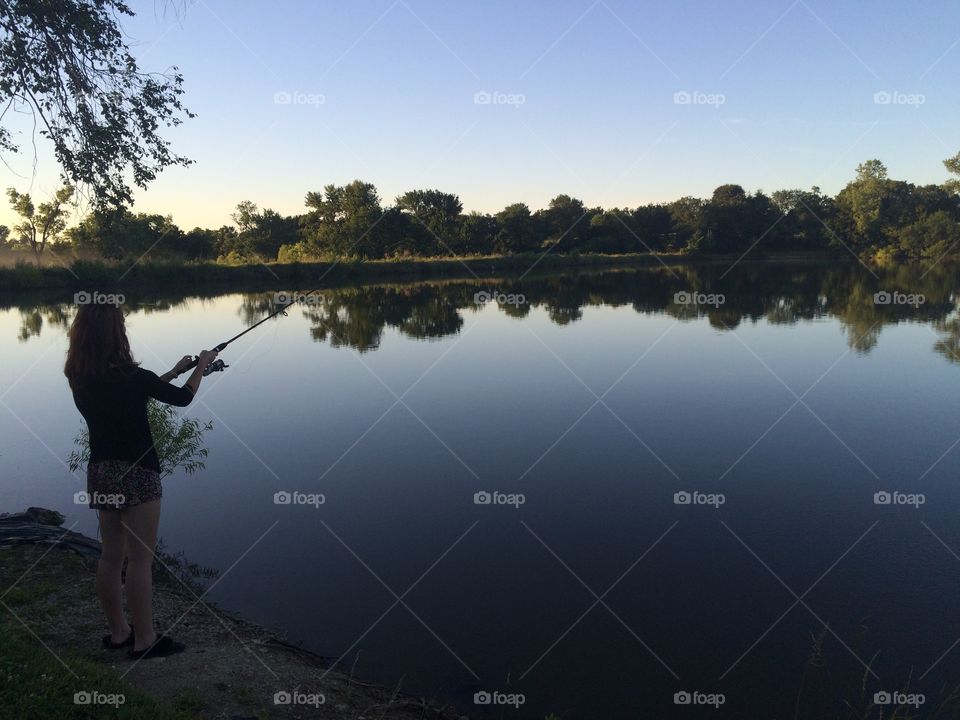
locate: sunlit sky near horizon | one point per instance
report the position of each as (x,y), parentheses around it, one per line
(585,98)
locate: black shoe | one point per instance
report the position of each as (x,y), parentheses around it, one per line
(162,647)
(108,644)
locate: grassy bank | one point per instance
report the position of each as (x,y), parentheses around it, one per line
(50,629)
(102,275)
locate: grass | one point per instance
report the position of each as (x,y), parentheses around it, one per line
(33,684)
(101,275)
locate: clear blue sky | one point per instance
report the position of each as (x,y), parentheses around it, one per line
(599,121)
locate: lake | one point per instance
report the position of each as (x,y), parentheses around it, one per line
(587,492)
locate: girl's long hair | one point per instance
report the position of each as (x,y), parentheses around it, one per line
(98,344)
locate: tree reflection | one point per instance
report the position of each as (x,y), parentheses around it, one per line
(779,294)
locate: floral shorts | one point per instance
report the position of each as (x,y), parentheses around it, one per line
(118,484)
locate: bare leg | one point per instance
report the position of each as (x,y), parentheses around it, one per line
(109,568)
(140,523)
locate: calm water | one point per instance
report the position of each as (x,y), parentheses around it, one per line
(599,596)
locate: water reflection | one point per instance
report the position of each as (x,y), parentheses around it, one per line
(779,294)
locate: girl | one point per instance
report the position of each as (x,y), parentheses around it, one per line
(123,475)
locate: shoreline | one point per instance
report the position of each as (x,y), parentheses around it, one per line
(233,667)
(101,275)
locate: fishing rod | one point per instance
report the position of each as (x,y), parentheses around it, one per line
(218,365)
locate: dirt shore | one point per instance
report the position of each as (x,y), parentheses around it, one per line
(232,669)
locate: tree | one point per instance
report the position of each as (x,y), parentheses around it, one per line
(724,219)
(861,205)
(41,224)
(806,225)
(933,236)
(198,244)
(610,232)
(652,225)
(567,222)
(119,234)
(68,63)
(687,218)
(953,167)
(438,213)
(343,220)
(477,234)
(517,232)
(260,234)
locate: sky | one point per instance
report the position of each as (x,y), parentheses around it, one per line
(617,103)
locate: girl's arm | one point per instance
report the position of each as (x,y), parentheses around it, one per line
(177,369)
(161,390)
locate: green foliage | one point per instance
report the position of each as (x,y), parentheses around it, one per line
(121,234)
(932,236)
(343,220)
(872,216)
(177,440)
(69,64)
(40,224)
(259,234)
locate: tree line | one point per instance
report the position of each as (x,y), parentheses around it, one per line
(872,215)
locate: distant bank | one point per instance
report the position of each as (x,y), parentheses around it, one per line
(102,275)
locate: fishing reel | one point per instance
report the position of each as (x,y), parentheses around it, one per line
(216,366)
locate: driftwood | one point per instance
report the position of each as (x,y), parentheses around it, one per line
(40,526)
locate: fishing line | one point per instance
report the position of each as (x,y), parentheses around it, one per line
(218,365)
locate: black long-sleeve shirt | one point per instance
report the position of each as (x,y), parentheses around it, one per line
(115,408)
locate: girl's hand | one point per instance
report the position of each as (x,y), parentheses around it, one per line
(182,364)
(206,357)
